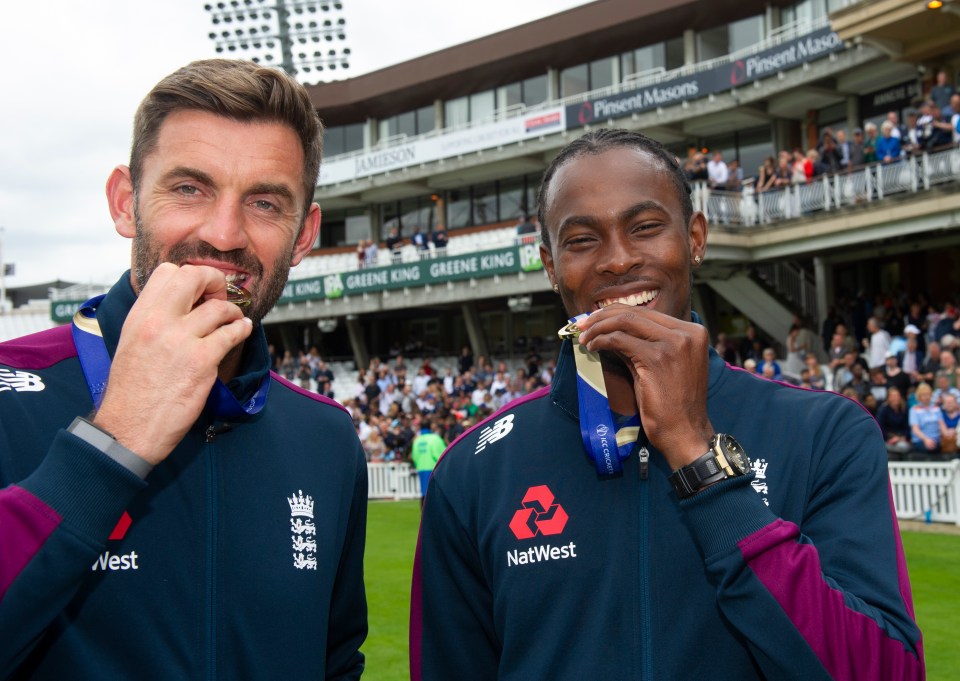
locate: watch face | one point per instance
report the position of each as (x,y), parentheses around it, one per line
(737,458)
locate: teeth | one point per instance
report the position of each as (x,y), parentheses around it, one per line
(632,300)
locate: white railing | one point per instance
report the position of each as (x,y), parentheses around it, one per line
(921,490)
(828,192)
(392,481)
(927,491)
(793,283)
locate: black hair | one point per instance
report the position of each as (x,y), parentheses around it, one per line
(600,141)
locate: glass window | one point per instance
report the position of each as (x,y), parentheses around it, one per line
(458,209)
(601,73)
(533,183)
(333,141)
(535,90)
(643,60)
(755,145)
(804,12)
(353,137)
(674,54)
(389,212)
(456,112)
(712,43)
(407,123)
(746,32)
(482,105)
(426,119)
(484,204)
(338,223)
(411,216)
(401,124)
(357,227)
(574,81)
(509,95)
(511,198)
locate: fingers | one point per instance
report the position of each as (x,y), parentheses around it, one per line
(184,287)
(192,296)
(618,326)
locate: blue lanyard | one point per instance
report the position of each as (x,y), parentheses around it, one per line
(606,444)
(95,362)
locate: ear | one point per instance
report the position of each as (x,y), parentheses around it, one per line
(546,257)
(308,234)
(121,202)
(698,236)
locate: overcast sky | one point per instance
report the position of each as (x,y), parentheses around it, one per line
(75,71)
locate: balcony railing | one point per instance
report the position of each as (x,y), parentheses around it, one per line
(830,192)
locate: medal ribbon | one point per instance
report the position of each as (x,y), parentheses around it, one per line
(604,443)
(95,362)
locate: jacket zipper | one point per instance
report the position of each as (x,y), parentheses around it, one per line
(211,564)
(646,662)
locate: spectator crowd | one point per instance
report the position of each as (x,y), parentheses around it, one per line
(933,125)
(894,355)
(391,401)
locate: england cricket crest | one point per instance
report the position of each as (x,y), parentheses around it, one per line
(304,532)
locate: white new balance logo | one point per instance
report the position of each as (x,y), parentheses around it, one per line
(20,381)
(495,432)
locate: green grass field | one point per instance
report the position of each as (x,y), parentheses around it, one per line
(933,560)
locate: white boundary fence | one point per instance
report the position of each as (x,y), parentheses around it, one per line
(393,481)
(921,490)
(926,490)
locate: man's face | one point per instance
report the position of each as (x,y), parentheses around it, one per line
(226,194)
(617,234)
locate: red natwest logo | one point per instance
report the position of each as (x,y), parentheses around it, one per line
(539,515)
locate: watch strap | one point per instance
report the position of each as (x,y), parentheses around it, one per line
(691,478)
(108,445)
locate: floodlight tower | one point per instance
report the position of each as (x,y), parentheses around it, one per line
(295,35)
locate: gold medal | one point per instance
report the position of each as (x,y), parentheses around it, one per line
(238,295)
(571,331)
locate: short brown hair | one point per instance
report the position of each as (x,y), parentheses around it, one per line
(235,89)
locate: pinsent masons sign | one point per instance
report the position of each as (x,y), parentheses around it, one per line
(721,78)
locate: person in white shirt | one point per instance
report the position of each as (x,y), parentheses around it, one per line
(718,174)
(878,345)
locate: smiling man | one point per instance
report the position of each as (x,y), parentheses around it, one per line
(170,509)
(654,513)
